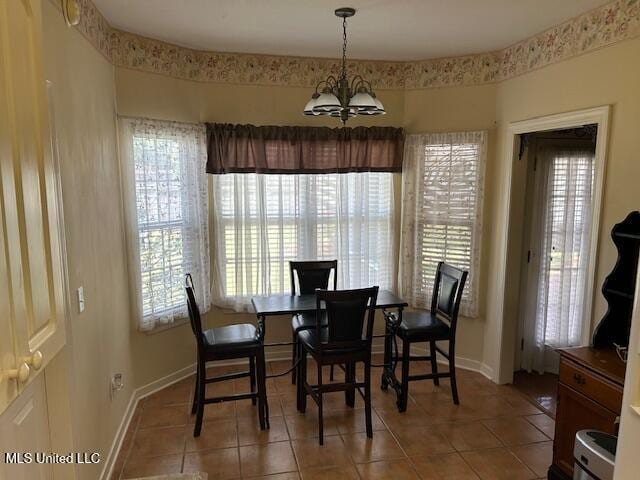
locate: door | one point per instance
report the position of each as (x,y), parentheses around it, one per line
(558,250)
(24,428)
(31,275)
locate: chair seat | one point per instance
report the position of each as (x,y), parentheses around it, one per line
(423,325)
(308,339)
(242,335)
(305,321)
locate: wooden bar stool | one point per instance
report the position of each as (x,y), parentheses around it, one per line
(345,340)
(311,275)
(438,324)
(226,343)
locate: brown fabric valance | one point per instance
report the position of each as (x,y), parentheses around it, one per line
(273,149)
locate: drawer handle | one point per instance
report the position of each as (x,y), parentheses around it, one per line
(579,379)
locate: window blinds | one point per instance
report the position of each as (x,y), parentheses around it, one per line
(264,221)
(166,205)
(442,209)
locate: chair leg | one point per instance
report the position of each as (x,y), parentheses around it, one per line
(434,363)
(263,406)
(320,416)
(294,356)
(404,389)
(252,377)
(194,406)
(367,398)
(302,381)
(452,370)
(350,375)
(301,373)
(200,401)
(331,373)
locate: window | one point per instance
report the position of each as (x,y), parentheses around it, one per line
(164,163)
(442,209)
(565,247)
(264,221)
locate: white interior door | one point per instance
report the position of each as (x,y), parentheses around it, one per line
(559,252)
(31,272)
(24,428)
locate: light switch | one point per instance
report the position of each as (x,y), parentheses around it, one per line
(81,299)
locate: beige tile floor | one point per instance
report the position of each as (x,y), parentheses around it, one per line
(495,433)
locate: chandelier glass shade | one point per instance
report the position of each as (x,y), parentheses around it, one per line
(340,97)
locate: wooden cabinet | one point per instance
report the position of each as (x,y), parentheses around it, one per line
(32,299)
(589,397)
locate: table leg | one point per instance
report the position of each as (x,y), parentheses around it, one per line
(388,340)
(390,360)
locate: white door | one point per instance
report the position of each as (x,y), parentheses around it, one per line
(31,274)
(24,428)
(559,246)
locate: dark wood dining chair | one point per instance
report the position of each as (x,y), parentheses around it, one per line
(310,276)
(226,343)
(438,324)
(346,340)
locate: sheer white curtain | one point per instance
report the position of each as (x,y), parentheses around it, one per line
(564,228)
(442,193)
(166,200)
(263,221)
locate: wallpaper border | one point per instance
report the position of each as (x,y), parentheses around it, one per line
(600,27)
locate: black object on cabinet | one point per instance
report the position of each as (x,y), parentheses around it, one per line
(619,286)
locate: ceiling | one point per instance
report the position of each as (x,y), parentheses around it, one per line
(382,29)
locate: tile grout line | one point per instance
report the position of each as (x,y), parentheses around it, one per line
(342,434)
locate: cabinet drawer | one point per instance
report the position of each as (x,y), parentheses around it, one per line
(591,385)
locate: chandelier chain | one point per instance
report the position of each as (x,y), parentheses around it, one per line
(344,48)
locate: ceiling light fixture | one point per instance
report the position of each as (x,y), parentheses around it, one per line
(340,97)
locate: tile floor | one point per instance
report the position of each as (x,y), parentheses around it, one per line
(541,389)
(495,433)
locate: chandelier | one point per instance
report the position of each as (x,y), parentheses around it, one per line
(339,97)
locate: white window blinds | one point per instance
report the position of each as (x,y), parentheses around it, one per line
(442,210)
(167,201)
(264,221)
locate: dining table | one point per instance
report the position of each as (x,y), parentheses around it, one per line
(288,305)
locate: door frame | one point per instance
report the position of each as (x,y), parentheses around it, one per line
(507,327)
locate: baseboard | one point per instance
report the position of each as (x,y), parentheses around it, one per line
(137,395)
(117,441)
(274,355)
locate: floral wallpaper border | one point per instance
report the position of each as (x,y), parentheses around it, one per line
(603,26)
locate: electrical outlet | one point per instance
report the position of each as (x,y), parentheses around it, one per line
(117,384)
(81,299)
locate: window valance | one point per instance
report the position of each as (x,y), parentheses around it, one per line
(281,150)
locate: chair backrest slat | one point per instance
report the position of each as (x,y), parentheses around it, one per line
(447,293)
(312,275)
(194,310)
(347,311)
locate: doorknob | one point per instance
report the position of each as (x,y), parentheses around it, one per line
(21,374)
(35,360)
